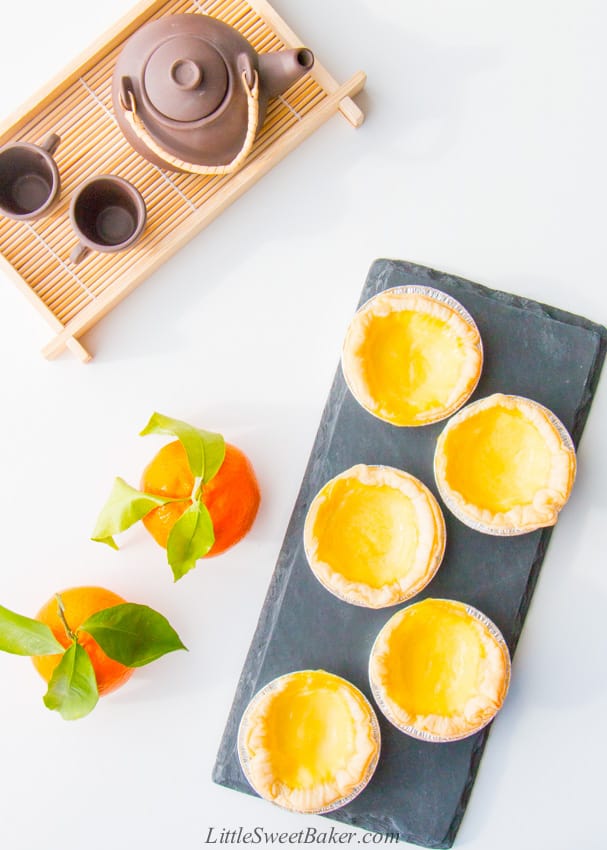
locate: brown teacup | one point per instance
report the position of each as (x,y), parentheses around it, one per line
(29,178)
(108,214)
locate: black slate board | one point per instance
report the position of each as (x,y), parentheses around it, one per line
(420,790)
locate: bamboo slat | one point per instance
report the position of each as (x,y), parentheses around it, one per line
(77,105)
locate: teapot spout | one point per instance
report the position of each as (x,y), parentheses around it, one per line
(279,70)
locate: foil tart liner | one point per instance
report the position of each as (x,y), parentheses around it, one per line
(441,535)
(336,804)
(446,301)
(420,734)
(451,503)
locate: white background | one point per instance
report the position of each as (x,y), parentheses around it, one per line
(483,155)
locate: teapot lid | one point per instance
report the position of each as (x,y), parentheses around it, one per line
(186,78)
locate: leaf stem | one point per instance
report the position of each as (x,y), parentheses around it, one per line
(61,611)
(198,489)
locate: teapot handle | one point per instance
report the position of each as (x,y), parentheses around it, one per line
(129,104)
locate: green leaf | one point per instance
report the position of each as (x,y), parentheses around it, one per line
(205,449)
(132,634)
(23,636)
(72,690)
(190,539)
(125,506)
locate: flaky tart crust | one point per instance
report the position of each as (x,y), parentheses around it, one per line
(478,705)
(427,528)
(450,319)
(345,781)
(543,505)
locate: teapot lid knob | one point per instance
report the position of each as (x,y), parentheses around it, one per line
(185,78)
(186,74)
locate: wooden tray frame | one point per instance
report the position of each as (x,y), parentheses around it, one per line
(77,106)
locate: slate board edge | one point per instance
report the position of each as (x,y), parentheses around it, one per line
(382,274)
(246,686)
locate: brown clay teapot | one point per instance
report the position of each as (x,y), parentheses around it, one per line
(190,92)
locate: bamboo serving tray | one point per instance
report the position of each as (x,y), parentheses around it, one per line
(78,107)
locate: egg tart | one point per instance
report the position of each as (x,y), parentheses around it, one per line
(309,741)
(412,355)
(505,465)
(374,536)
(439,670)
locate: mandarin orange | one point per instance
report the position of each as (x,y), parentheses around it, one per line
(79,604)
(232,496)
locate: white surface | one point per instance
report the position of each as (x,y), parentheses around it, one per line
(482,155)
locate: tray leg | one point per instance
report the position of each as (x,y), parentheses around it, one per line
(56,346)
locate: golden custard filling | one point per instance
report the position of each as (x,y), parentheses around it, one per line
(497,459)
(505,465)
(374,535)
(367,534)
(438,671)
(412,357)
(310,733)
(309,741)
(411,362)
(440,662)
